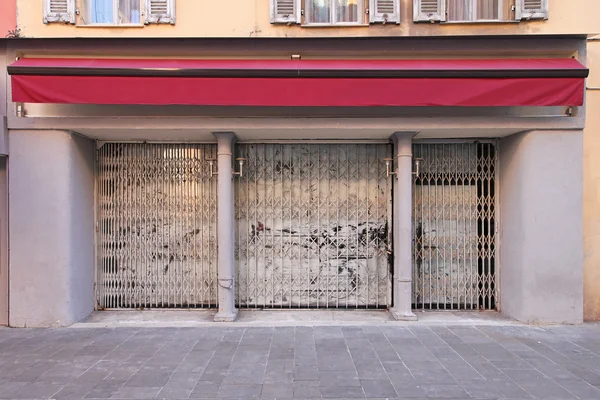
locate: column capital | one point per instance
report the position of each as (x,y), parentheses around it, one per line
(225,142)
(404,135)
(403,143)
(225,136)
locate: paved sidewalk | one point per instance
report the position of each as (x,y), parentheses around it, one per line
(282,317)
(458,362)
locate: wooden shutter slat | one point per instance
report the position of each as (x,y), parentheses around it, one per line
(160,12)
(58,6)
(532,5)
(531,9)
(59,11)
(429,10)
(284,11)
(384,11)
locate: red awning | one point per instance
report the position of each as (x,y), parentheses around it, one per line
(489,82)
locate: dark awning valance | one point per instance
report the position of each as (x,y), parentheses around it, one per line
(463,82)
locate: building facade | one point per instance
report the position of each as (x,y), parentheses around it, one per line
(8,22)
(590,196)
(402,155)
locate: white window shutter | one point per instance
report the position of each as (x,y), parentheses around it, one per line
(285,11)
(429,10)
(160,12)
(531,9)
(385,11)
(59,11)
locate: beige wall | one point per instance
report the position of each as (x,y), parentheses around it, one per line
(591,189)
(250,18)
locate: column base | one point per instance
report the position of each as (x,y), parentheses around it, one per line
(223,316)
(403,316)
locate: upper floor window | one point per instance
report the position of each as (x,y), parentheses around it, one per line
(479,10)
(335,12)
(113,12)
(110,12)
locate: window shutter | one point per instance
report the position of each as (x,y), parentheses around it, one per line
(429,10)
(160,12)
(531,9)
(385,11)
(284,11)
(59,11)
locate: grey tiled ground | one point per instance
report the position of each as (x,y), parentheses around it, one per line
(336,362)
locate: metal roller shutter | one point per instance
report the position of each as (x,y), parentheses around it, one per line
(314,223)
(156,226)
(454,200)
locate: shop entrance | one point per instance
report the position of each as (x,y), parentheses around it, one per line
(454,209)
(314,226)
(156,226)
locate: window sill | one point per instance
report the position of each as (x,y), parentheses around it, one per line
(483,21)
(342,25)
(111,26)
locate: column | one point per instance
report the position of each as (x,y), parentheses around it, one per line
(225,228)
(402,284)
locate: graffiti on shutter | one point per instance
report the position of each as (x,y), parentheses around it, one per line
(313,226)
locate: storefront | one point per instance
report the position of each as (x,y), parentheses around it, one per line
(297,182)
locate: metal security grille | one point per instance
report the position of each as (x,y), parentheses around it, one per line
(156,226)
(314,223)
(454,226)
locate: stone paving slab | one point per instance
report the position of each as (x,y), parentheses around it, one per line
(302,362)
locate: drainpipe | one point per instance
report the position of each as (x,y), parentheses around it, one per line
(402,284)
(225,228)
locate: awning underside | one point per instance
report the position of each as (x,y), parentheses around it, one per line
(502,82)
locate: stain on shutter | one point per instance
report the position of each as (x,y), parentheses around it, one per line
(384,11)
(284,11)
(160,12)
(429,10)
(531,9)
(59,11)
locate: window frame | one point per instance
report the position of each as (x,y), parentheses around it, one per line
(87,16)
(361,6)
(515,11)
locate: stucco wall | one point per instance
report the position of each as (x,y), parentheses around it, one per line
(541,250)
(8,17)
(251,18)
(52,228)
(4,84)
(4,80)
(591,189)
(3,191)
(3,243)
